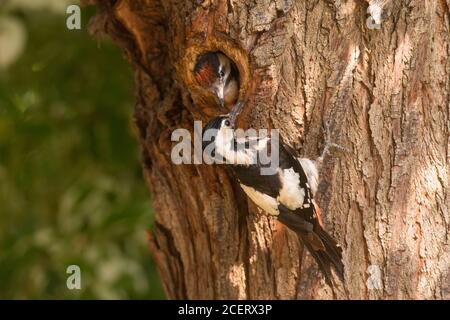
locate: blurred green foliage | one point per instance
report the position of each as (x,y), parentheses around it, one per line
(71,186)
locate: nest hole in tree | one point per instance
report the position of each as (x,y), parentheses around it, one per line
(204,99)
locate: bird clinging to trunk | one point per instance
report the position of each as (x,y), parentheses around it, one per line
(287,193)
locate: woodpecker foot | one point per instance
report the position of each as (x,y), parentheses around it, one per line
(329,144)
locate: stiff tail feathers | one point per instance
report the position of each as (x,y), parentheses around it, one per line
(328,256)
(324,249)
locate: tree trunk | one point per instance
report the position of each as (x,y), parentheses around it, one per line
(384,93)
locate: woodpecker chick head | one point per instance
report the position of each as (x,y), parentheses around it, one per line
(216,73)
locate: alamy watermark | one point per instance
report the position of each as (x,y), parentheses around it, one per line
(377,12)
(374,281)
(73,21)
(74,279)
(231,146)
(373,20)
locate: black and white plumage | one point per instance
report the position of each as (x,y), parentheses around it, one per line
(288,194)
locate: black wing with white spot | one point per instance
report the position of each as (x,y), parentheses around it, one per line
(305,222)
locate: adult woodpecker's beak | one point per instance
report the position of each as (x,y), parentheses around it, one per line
(235,112)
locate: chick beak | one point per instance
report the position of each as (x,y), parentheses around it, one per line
(222,103)
(220,96)
(235,112)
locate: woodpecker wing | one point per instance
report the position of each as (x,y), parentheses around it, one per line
(319,243)
(287,194)
(250,175)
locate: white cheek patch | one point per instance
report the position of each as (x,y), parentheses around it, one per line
(233,157)
(291,194)
(223,146)
(243,156)
(262,143)
(265,202)
(218,88)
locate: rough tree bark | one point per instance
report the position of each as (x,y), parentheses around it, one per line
(385,93)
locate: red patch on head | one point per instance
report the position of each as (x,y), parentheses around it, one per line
(205,75)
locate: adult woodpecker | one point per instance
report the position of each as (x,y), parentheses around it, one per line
(287,194)
(215,72)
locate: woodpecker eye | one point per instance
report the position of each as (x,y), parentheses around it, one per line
(221,73)
(227,123)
